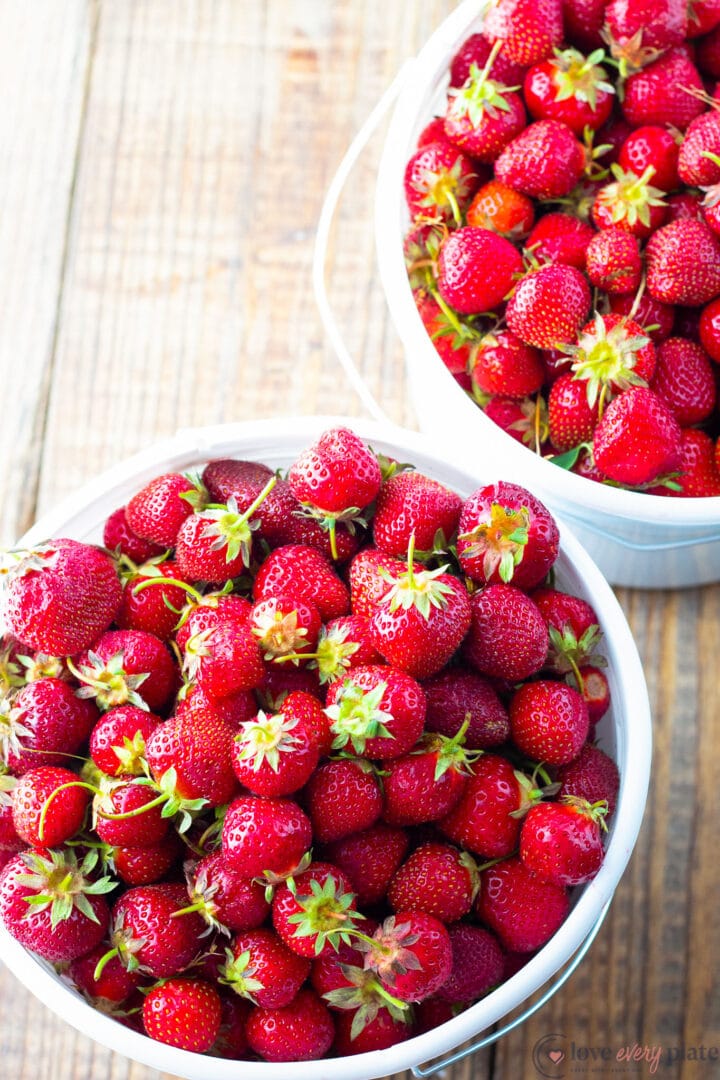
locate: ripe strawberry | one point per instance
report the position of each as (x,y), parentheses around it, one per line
(457,696)
(184,1013)
(228,478)
(592,776)
(224,659)
(703,16)
(427,783)
(654,318)
(337,475)
(368,583)
(125,818)
(113,987)
(508,638)
(234,709)
(434,130)
(570,88)
(549,305)
(60,597)
(275,755)
(265,836)
(485,820)
(685,206)
(148,936)
(380,1033)
(127,667)
(420,974)
(684,381)
(226,899)
(10,842)
(506,534)
(194,747)
(549,721)
(411,503)
(573,627)
(343,797)
(43,722)
(560,238)
(524,420)
(708,53)
(145,866)
(315,910)
(583,21)
(595,689)
(476,269)
(561,843)
(523,911)
(451,338)
(478,964)
(216,543)
(475,50)
(379,711)
(710,330)
(439,181)
(42,818)
(631,203)
(658,94)
(232,1041)
(285,625)
(53,904)
(157,609)
(571,419)
(647,24)
(613,261)
(117,742)
(637,439)
(370,859)
(529,31)
(699,471)
(503,364)
(205,612)
(301,571)
(438,880)
(283,679)
(652,146)
(301,1031)
(611,354)
(545,161)
(119,538)
(159,509)
(497,207)
(483,115)
(344,643)
(261,967)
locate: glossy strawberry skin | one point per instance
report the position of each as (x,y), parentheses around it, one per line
(434,880)
(570,418)
(230,660)
(408,503)
(126,722)
(482,822)
(142,654)
(541,90)
(655,95)
(302,571)
(196,744)
(684,380)
(545,161)
(380,1033)
(661,23)
(162,945)
(158,510)
(503,364)
(196,555)
(508,638)
(146,866)
(561,238)
(699,467)
(549,306)
(402,699)
(457,695)
(412,792)
(370,858)
(146,830)
(522,910)
(119,537)
(710,330)
(280,970)
(232,900)
(561,844)
(265,835)
(638,438)
(214,609)
(476,269)
(652,145)
(478,964)
(230,478)
(115,983)
(549,721)
(433,171)
(649,313)
(183,1012)
(301,1031)
(484,135)
(683,264)
(502,210)
(55,721)
(613,261)
(336,473)
(592,775)
(368,584)
(154,610)
(289,902)
(529,32)
(431,948)
(64,815)
(343,798)
(476,50)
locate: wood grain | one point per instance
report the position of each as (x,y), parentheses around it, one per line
(161,173)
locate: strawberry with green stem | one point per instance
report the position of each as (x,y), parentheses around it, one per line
(437,879)
(158,510)
(427,783)
(117,741)
(574,631)
(484,115)
(285,626)
(315,910)
(127,667)
(37,791)
(260,967)
(145,936)
(343,644)
(376,712)
(42,723)
(226,899)
(571,88)
(561,843)
(276,754)
(266,838)
(630,202)
(612,354)
(439,182)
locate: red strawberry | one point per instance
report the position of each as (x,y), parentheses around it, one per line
(573,628)
(529,30)
(283,679)
(67,915)
(506,534)
(654,318)
(265,836)
(595,689)
(545,161)
(275,755)
(61,597)
(631,203)
(205,612)
(570,418)
(159,509)
(476,50)
(478,964)
(483,115)
(380,1033)
(592,776)
(411,503)
(476,269)
(421,973)
(498,208)
(658,94)
(549,305)
(434,130)
(194,747)
(583,21)
(685,206)
(145,866)
(684,381)
(315,910)
(458,695)
(613,261)
(503,364)
(439,180)
(650,24)
(638,438)
(437,879)
(452,341)
(344,643)
(10,842)
(301,1031)
(285,625)
(157,609)
(427,783)
(611,354)
(301,571)
(232,1040)
(225,898)
(483,820)
(125,818)
(561,843)
(234,709)
(128,667)
(549,721)
(228,478)
(148,936)
(560,238)
(710,330)
(343,797)
(42,723)
(703,16)
(571,88)
(378,711)
(115,984)
(652,146)
(261,967)
(119,538)
(522,910)
(216,544)
(117,742)
(708,53)
(699,470)
(184,1013)
(224,659)
(370,858)
(368,581)
(42,818)
(508,638)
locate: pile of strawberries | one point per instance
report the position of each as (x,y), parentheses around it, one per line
(300,765)
(564,246)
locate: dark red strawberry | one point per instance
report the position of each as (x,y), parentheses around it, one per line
(127,667)
(583,21)
(117,742)
(571,88)
(119,538)
(301,1031)
(261,967)
(654,318)
(43,722)
(508,638)
(549,721)
(193,747)
(522,910)
(225,898)
(115,984)
(483,821)
(148,936)
(684,380)
(228,478)
(343,797)
(549,306)
(370,858)
(45,816)
(457,696)
(145,866)
(380,1033)
(710,330)
(159,509)
(184,1013)
(476,50)
(265,836)
(421,973)
(438,880)
(157,609)
(283,679)
(216,543)
(301,571)
(376,712)
(411,503)
(560,238)
(561,843)
(592,776)
(545,161)
(439,181)
(638,438)
(529,30)
(478,964)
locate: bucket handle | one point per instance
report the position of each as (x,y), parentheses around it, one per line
(634,545)
(422,1071)
(322,240)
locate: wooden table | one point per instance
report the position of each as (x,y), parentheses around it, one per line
(162,166)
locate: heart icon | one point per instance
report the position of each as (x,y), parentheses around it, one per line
(556,1056)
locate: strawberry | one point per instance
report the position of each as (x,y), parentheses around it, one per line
(9,839)
(710,330)
(457,696)
(343,643)
(265,836)
(434,130)
(369,859)
(119,538)
(42,723)
(194,749)
(630,202)
(284,625)
(549,305)
(439,181)
(343,797)
(155,610)
(497,207)
(275,755)
(411,503)
(61,597)
(506,534)
(216,543)
(658,94)
(232,1040)
(703,17)
(524,420)
(476,50)
(613,261)
(645,24)
(573,628)
(595,689)
(523,911)
(233,709)
(127,667)
(368,580)
(378,711)
(301,571)
(699,471)
(117,742)
(560,238)
(611,354)
(583,21)
(592,776)
(380,1033)
(652,146)
(451,338)
(529,30)
(561,843)
(159,509)
(684,381)
(684,207)
(145,866)
(115,984)
(224,659)
(478,964)
(545,161)
(637,439)
(226,899)
(205,612)
(43,815)
(485,819)
(549,721)
(427,783)
(503,364)
(571,419)
(148,936)
(421,973)
(228,478)
(125,817)
(570,88)
(53,904)
(438,880)
(261,967)
(315,910)
(508,638)
(283,679)
(301,1031)
(483,115)
(476,269)
(654,318)
(184,1013)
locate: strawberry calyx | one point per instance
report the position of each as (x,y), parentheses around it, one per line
(173,803)
(419,589)
(444,187)
(531,793)
(481,95)
(388,952)
(8,783)
(332,657)
(61,883)
(240,975)
(629,55)
(421,255)
(473,870)
(42,666)
(596,811)
(325,913)
(279,635)
(448,324)
(11,729)
(352,518)
(534,424)
(201,893)
(265,738)
(568,653)
(629,197)
(366,995)
(450,752)
(131,754)
(270,879)
(606,358)
(231,530)
(501,540)
(107,682)
(197,648)
(580,77)
(357,717)
(11,676)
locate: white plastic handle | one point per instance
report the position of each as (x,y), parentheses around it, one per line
(322,239)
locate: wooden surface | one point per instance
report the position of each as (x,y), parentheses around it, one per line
(162,166)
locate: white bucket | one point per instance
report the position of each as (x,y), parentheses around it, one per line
(645,541)
(625,733)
